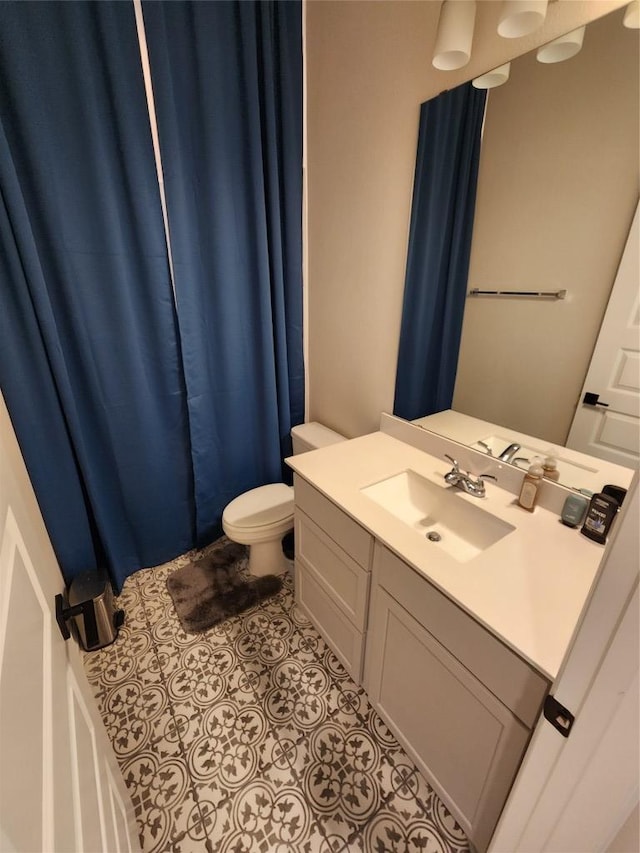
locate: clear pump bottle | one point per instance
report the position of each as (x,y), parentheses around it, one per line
(550,468)
(531,486)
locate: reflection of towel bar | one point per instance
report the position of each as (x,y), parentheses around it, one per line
(536,294)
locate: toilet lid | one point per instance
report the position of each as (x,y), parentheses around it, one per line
(264,505)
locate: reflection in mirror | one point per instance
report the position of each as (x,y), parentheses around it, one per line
(557,190)
(579,471)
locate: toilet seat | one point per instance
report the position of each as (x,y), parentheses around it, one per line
(266,506)
(262,533)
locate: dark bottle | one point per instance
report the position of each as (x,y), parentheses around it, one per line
(602,510)
(616,492)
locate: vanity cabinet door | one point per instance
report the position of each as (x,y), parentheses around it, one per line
(512,680)
(467,743)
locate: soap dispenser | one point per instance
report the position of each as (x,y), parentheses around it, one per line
(531,486)
(550,468)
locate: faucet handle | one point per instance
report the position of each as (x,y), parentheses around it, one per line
(487,477)
(454,461)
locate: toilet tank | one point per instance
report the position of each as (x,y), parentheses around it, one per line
(312,436)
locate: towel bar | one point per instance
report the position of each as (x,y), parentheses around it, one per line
(536,294)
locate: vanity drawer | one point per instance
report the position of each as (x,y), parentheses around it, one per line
(347,533)
(512,680)
(342,579)
(341,635)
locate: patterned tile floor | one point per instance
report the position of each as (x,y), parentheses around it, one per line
(252,738)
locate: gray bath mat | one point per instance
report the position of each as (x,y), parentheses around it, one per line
(212,589)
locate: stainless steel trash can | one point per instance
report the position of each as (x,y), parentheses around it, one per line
(92,607)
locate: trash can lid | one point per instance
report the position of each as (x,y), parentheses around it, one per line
(87,585)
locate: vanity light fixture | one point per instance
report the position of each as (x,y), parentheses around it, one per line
(493,78)
(561,48)
(631,18)
(521,17)
(455,34)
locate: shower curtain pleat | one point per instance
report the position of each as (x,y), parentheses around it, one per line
(228,96)
(89,352)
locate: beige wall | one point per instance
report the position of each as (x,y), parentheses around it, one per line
(628,838)
(557,191)
(368,69)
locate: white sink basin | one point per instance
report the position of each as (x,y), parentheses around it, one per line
(465,530)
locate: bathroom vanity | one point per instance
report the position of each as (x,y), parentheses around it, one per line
(456,636)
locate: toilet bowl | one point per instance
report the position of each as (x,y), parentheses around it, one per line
(261,517)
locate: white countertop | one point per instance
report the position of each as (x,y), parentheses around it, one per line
(528,589)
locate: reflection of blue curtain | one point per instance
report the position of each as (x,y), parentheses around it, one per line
(228,93)
(439,249)
(89,353)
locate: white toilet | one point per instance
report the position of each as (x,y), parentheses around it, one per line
(261,517)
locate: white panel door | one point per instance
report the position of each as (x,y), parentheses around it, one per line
(610,427)
(574,794)
(60,786)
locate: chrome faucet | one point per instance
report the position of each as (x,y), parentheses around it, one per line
(455,477)
(509,452)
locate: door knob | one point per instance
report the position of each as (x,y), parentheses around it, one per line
(590,399)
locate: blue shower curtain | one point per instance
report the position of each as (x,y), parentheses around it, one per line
(89,352)
(228,93)
(439,249)
(137,422)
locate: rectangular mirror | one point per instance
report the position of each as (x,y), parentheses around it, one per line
(557,192)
